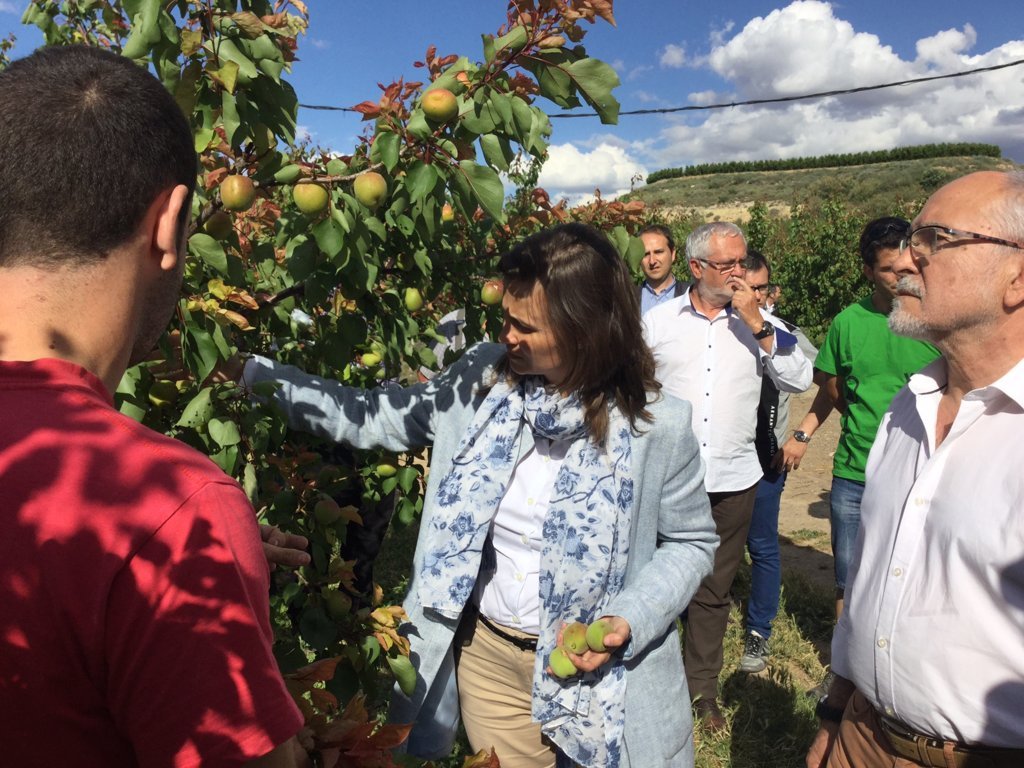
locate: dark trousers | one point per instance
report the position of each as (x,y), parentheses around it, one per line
(708,614)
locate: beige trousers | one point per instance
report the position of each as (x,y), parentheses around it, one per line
(495,684)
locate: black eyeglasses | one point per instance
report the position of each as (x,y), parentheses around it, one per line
(925,241)
(761,288)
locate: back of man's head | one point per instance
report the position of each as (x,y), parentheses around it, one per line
(89,139)
(886,232)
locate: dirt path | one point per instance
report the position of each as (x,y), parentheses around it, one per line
(803,517)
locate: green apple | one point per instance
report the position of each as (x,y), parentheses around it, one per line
(326,511)
(574,637)
(492,292)
(237,193)
(386,469)
(439,105)
(311,199)
(163,393)
(370,189)
(560,663)
(219,225)
(596,633)
(370,359)
(413,299)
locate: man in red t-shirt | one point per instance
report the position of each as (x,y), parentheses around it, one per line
(134,620)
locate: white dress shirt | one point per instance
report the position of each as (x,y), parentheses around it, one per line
(933,627)
(717,365)
(510,595)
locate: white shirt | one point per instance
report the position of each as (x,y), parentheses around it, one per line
(511,595)
(717,365)
(933,627)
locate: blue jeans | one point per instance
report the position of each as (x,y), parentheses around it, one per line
(765,564)
(844,509)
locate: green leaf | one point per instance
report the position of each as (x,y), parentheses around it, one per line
(635,253)
(224,432)
(249,483)
(487,188)
(405,673)
(272,69)
(420,180)
(553,79)
(226,458)
(594,80)
(210,251)
(228,51)
(494,152)
(489,49)
(145,30)
(198,411)
(231,121)
(227,75)
(407,478)
(514,40)
(289,174)
(385,149)
(329,237)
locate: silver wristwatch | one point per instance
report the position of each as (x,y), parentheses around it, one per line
(801,437)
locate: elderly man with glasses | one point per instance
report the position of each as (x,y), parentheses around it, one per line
(928,653)
(712,346)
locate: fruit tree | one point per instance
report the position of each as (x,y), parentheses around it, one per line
(340,264)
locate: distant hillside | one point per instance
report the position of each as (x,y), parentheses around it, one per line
(874,190)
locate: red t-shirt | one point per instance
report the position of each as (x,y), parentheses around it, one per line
(134,619)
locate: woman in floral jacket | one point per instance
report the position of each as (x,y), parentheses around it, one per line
(563,487)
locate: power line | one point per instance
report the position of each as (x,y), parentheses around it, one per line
(753,102)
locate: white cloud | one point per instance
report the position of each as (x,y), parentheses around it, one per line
(672,56)
(320,44)
(303,133)
(574,174)
(805,48)
(638,72)
(7,7)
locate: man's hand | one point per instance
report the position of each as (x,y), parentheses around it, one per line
(821,747)
(588,661)
(280,548)
(789,456)
(744,303)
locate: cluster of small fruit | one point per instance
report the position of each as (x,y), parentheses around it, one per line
(578,638)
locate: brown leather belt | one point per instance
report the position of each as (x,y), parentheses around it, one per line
(929,751)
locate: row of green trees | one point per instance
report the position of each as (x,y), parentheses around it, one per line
(920,152)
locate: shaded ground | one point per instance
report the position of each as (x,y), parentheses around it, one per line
(803,517)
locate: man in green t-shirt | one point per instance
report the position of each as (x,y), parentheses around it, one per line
(859,369)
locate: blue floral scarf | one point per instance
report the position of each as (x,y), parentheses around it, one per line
(583,561)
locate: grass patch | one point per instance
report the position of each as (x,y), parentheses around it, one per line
(877,189)
(808,536)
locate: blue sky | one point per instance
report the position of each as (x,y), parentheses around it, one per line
(672,53)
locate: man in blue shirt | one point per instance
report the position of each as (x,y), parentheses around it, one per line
(659,256)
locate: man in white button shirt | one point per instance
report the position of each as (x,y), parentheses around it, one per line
(712,345)
(929,653)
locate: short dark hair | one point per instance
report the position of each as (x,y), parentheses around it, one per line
(659,229)
(885,232)
(757,260)
(89,140)
(595,316)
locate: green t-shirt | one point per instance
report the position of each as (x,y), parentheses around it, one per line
(872,364)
